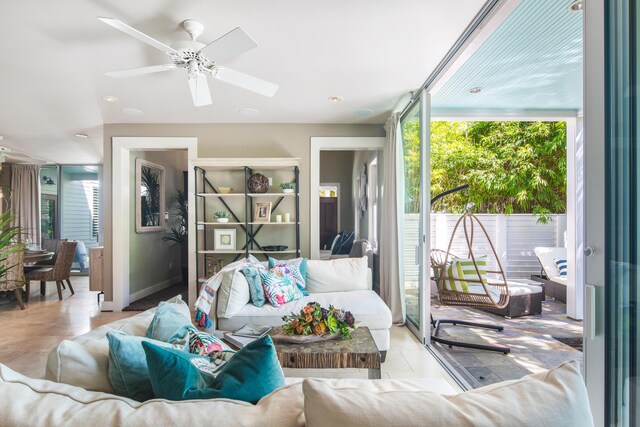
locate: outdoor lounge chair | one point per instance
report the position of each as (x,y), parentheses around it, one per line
(555,285)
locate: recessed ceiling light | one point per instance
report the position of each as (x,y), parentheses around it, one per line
(364,112)
(248,112)
(476,89)
(81,135)
(132,111)
(576,6)
(335,98)
(110,98)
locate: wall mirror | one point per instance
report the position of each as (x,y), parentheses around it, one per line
(150,197)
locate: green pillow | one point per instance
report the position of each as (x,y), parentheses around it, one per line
(256,291)
(128,372)
(169,324)
(252,373)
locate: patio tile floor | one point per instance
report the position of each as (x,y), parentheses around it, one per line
(531,339)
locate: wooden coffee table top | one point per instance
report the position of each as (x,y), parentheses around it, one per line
(358,352)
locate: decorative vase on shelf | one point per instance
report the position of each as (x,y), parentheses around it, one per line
(222,220)
(288,190)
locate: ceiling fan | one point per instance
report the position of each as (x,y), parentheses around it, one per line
(199,59)
(15,156)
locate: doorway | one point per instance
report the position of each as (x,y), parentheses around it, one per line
(329,213)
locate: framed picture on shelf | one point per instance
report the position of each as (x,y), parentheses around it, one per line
(262,212)
(224,239)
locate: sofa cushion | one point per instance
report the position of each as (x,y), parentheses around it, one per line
(233,294)
(366,306)
(84,360)
(252,373)
(280,285)
(128,371)
(48,404)
(553,398)
(337,275)
(256,291)
(170,324)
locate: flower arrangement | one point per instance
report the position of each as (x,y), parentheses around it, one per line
(222,214)
(316,320)
(288,185)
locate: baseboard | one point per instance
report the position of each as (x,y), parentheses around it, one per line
(107,306)
(155,288)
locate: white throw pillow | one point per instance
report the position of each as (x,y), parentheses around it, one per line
(337,275)
(233,294)
(554,398)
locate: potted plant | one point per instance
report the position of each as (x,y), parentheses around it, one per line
(288,187)
(222,216)
(179,232)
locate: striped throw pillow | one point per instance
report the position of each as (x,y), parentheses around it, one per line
(562,266)
(461,270)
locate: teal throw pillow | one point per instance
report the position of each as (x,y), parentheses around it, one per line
(252,373)
(298,267)
(128,372)
(169,324)
(252,274)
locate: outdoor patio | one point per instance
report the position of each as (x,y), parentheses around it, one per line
(537,342)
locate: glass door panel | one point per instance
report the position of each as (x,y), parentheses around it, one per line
(80,211)
(411,213)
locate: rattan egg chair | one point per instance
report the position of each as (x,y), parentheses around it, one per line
(467,281)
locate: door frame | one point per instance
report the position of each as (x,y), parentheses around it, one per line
(121,185)
(318,144)
(337,184)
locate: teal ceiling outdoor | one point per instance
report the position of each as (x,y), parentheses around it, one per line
(532,61)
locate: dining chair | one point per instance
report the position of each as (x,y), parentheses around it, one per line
(61,270)
(14,279)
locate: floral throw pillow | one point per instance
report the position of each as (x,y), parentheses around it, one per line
(298,267)
(280,285)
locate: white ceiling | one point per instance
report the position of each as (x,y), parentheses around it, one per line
(54,54)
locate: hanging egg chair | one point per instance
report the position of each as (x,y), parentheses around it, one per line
(469,281)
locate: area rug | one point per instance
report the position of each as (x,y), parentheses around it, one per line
(153,300)
(537,343)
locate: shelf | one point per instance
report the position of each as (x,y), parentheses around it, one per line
(220,252)
(251,251)
(271,194)
(249,223)
(220,194)
(272,223)
(220,223)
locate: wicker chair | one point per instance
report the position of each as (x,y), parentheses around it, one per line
(478,291)
(14,279)
(51,245)
(61,270)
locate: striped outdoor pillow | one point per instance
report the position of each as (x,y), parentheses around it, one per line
(461,270)
(562,266)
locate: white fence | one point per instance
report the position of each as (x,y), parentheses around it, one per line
(514,237)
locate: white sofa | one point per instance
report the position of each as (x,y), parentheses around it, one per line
(344,283)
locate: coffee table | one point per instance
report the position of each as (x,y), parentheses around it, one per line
(359,352)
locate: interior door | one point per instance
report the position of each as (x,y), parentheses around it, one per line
(413,192)
(328,220)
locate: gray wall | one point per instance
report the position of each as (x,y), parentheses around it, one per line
(231,140)
(152,261)
(337,167)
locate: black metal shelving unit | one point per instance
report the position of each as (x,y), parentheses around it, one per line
(204,186)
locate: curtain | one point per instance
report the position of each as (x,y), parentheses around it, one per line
(25,201)
(391,289)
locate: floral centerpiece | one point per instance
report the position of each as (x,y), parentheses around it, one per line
(313,319)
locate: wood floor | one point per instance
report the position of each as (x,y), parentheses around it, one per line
(28,335)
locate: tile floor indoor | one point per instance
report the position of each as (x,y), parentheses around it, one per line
(28,335)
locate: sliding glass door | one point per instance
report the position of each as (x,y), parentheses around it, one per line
(412,195)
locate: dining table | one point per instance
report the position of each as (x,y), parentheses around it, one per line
(31,257)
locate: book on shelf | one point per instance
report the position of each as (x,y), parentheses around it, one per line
(246,335)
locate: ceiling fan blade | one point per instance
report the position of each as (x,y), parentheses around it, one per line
(246,81)
(200,90)
(140,71)
(231,44)
(119,25)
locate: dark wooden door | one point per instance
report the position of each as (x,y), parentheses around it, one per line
(328,220)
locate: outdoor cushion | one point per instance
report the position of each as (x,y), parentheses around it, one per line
(462,274)
(233,293)
(547,257)
(48,404)
(554,398)
(337,275)
(562,266)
